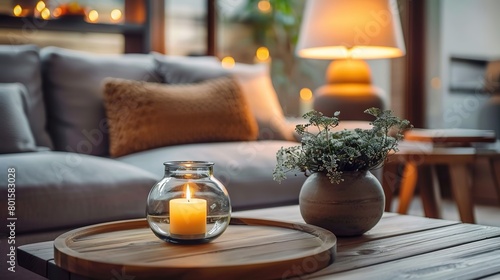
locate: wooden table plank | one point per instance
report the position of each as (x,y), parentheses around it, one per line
(34,257)
(469,261)
(391,224)
(356,255)
(399,246)
(54,271)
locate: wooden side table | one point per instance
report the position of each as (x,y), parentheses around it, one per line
(421,151)
(492,154)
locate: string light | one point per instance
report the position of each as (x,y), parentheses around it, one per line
(116,14)
(306,94)
(45,14)
(264,6)
(18,10)
(40,6)
(228,62)
(57,12)
(262,54)
(93,16)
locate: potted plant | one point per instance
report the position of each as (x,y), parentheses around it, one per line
(340,193)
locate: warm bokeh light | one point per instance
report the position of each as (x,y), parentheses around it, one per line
(116,14)
(93,16)
(436,83)
(45,14)
(18,10)
(262,54)
(228,62)
(57,12)
(357,52)
(40,6)
(264,6)
(306,94)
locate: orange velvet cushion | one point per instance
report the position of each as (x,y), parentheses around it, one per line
(145,115)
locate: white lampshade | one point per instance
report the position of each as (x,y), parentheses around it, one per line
(360,29)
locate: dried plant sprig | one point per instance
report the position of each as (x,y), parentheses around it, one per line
(334,152)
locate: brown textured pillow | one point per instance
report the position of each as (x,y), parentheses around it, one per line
(145,115)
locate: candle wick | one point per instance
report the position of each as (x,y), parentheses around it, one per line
(189,200)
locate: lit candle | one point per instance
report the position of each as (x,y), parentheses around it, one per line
(188,216)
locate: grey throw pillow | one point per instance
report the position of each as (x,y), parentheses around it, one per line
(254,80)
(16,134)
(21,64)
(77,120)
(187,69)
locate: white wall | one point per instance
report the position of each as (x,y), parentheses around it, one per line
(433,82)
(381,77)
(468,28)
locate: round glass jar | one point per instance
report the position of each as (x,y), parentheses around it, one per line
(188,205)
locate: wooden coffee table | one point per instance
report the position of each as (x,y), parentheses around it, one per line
(400,246)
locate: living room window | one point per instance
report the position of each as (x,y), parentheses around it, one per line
(262,31)
(97,26)
(185,27)
(233,28)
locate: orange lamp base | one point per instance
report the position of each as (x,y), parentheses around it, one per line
(349,90)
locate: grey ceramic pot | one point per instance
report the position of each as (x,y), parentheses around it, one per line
(350,208)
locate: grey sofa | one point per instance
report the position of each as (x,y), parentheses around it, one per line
(55,140)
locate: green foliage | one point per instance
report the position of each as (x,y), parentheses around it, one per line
(334,152)
(278,30)
(285,14)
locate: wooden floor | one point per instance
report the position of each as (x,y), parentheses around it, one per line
(488,215)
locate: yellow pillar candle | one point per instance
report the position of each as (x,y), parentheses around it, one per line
(188,216)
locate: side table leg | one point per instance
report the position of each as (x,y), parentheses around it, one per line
(408,183)
(495,174)
(430,192)
(390,179)
(462,191)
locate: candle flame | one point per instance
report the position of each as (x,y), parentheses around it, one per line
(188,192)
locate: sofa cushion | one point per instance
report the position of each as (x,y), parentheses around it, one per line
(16,134)
(21,64)
(255,81)
(143,115)
(59,189)
(245,168)
(182,72)
(73,79)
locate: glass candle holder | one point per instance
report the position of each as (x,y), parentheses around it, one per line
(188,205)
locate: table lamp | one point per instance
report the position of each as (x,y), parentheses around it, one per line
(348,31)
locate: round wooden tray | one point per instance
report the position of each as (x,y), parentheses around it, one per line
(248,249)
